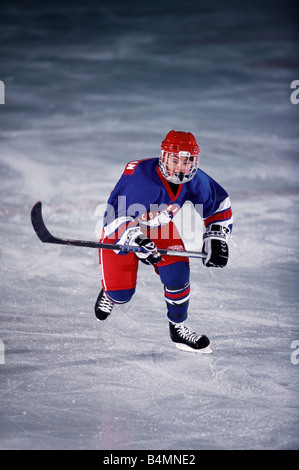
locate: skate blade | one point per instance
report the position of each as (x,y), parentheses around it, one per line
(185,347)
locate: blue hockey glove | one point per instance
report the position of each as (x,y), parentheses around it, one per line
(134,236)
(152,256)
(215,246)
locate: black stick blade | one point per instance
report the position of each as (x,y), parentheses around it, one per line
(39,226)
(46,237)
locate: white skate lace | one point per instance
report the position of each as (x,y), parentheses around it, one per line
(105,304)
(187,333)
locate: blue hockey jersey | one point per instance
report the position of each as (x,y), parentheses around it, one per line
(143,197)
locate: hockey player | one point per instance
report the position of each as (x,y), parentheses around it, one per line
(139,213)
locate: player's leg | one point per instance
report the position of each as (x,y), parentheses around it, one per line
(175,276)
(176,280)
(174,273)
(118,277)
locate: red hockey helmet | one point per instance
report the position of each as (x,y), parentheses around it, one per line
(179,157)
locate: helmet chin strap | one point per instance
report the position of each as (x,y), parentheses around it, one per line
(181,176)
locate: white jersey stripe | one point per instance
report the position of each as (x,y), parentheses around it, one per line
(223,205)
(114,226)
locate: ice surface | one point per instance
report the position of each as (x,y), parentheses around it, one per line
(88,88)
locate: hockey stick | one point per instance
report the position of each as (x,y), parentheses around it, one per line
(46,237)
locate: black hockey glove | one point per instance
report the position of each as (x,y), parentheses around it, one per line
(152,256)
(215,246)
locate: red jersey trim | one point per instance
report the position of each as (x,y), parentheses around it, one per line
(219,216)
(167,187)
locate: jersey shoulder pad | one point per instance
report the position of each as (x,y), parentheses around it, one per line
(131,166)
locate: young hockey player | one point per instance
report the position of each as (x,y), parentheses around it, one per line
(139,213)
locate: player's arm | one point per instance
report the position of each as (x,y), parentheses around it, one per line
(215,246)
(215,205)
(218,227)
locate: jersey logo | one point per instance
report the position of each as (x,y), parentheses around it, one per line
(131,167)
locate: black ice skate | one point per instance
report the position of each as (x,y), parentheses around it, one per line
(187,339)
(103,306)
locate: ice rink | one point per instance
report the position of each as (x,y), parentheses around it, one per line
(89,87)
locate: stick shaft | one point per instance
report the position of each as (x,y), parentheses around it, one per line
(46,237)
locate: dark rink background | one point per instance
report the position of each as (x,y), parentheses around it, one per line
(88,87)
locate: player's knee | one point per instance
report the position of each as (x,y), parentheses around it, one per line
(175,275)
(121,296)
